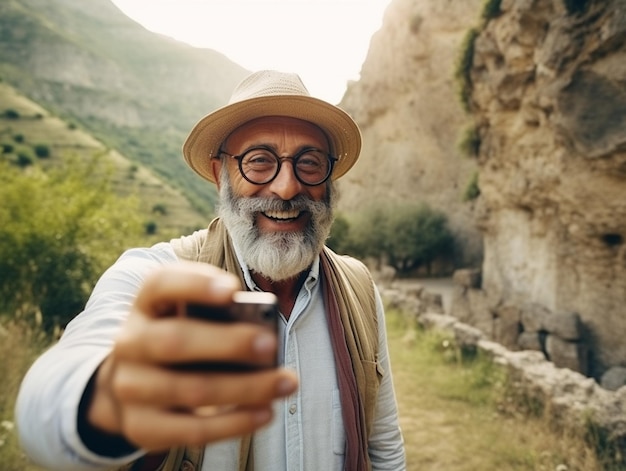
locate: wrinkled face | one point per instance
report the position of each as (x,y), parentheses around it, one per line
(279,226)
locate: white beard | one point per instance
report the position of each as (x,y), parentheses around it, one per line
(275,255)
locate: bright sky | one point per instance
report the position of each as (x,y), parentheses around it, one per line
(324,41)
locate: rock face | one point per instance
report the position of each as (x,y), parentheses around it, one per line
(549,99)
(408,109)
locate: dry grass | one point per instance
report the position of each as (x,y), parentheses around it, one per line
(457,413)
(19,346)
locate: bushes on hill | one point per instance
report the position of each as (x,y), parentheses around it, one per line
(58,231)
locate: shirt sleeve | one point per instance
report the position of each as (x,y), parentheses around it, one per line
(386,445)
(50,394)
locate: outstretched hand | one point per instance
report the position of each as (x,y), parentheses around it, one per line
(141,393)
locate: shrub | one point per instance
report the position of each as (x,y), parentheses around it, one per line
(470,142)
(416,236)
(339,235)
(59,231)
(19,138)
(575,6)
(491,9)
(464,67)
(24,159)
(472,190)
(159,208)
(7,148)
(11,114)
(42,151)
(150,228)
(407,237)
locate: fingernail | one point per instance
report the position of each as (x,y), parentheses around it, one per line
(223,285)
(264,343)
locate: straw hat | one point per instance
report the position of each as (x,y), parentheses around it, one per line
(271,93)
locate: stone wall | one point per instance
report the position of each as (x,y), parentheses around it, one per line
(568,398)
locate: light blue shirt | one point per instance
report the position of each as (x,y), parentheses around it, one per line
(307,432)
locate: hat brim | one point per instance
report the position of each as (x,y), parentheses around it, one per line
(206,137)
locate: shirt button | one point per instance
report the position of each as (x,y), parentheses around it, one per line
(292,409)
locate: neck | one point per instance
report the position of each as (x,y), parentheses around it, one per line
(285,290)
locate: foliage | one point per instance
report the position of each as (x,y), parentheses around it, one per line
(470,142)
(464,66)
(159,208)
(416,236)
(11,114)
(406,236)
(368,233)
(575,6)
(42,151)
(472,191)
(24,158)
(150,227)
(58,231)
(339,235)
(491,9)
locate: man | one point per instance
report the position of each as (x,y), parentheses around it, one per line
(112,391)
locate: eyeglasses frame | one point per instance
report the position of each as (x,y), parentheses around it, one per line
(239,158)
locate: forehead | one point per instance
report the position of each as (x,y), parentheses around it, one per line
(271,128)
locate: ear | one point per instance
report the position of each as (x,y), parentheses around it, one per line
(216,168)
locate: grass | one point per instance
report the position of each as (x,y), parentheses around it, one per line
(462,412)
(19,346)
(458,411)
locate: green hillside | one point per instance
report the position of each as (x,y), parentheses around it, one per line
(30,135)
(135,91)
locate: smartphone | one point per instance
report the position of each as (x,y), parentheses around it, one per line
(256,307)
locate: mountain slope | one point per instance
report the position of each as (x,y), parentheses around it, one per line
(133,89)
(26,126)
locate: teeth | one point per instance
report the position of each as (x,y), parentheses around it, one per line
(283,214)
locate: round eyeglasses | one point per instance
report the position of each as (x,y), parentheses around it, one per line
(260,165)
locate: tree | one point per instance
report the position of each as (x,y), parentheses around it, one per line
(406,236)
(416,236)
(339,235)
(58,231)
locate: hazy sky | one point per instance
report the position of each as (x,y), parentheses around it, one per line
(324,41)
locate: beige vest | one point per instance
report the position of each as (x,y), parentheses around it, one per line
(354,288)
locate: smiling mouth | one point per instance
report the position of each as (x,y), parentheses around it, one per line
(282,215)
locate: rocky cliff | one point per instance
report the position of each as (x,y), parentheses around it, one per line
(407,107)
(549,98)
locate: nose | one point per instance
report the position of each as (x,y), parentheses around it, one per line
(286,185)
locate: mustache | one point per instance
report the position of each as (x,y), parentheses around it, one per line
(260,204)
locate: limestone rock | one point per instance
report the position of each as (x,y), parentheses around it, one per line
(614,378)
(549,100)
(411,118)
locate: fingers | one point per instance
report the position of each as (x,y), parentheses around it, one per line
(191,390)
(185,282)
(177,429)
(142,390)
(179,340)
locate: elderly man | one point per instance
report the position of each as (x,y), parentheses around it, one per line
(122,388)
